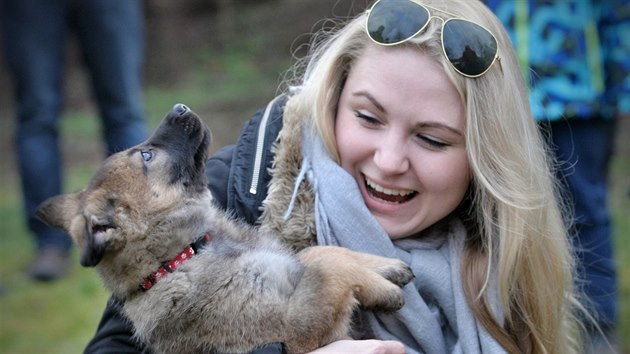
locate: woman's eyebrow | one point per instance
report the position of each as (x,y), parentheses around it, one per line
(439,126)
(374,101)
(371,98)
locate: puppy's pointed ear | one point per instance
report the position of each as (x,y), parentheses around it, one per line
(59,211)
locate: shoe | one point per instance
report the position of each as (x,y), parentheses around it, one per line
(50,264)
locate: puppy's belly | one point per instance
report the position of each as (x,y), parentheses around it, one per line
(272,272)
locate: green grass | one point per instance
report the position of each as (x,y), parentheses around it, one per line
(620,206)
(36,317)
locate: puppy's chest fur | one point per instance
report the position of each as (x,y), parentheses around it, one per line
(250,275)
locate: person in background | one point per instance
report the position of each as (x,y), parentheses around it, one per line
(409,135)
(576,56)
(34,33)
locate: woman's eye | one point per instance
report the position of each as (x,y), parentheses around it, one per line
(432,142)
(365,118)
(147,155)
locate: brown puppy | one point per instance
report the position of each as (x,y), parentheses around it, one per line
(195,280)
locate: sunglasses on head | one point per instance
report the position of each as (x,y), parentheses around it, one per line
(470,48)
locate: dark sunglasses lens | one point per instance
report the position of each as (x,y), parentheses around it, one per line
(469,47)
(393,21)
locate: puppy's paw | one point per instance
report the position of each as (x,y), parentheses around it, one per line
(381,288)
(385,291)
(389,301)
(398,273)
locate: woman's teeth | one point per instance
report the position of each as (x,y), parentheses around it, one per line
(387,194)
(388,191)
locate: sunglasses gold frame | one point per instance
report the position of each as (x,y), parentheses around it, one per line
(430,17)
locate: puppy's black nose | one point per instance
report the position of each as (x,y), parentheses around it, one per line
(180,109)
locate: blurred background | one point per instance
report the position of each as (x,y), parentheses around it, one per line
(225,59)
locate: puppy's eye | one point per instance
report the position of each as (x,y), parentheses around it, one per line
(147,155)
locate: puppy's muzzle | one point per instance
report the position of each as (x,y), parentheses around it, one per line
(179,109)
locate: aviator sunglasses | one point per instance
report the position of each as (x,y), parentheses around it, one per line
(470,48)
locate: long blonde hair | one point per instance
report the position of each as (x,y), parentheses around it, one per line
(513,209)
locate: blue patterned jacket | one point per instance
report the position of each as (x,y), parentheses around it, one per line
(575,54)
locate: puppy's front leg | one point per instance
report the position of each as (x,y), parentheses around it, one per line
(375,281)
(336,280)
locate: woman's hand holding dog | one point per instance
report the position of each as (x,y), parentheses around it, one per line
(371,346)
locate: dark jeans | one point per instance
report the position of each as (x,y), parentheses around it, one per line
(110,34)
(584,147)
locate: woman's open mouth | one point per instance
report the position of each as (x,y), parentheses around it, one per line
(394,196)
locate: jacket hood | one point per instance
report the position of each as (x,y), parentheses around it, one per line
(298,230)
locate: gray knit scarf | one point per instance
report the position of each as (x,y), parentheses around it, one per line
(436,317)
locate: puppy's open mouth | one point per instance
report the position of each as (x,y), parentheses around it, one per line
(394,196)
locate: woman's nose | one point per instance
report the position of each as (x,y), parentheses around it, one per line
(391,157)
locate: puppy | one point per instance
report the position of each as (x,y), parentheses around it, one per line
(193,279)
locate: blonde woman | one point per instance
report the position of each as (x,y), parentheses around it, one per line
(409,135)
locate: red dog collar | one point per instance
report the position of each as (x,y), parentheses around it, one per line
(173,264)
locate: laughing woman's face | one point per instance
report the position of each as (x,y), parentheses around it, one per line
(400,134)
